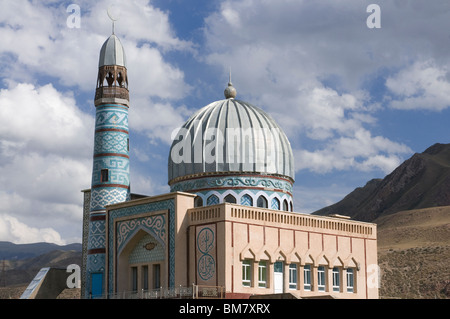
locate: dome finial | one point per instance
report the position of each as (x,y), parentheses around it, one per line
(113,18)
(230,91)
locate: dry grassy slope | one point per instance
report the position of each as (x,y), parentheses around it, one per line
(414,253)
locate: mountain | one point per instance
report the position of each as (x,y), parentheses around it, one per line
(422,181)
(411,207)
(11,251)
(22,271)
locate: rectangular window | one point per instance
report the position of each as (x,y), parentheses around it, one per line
(262,274)
(145,277)
(156,276)
(134,279)
(104,175)
(246,273)
(321,278)
(336,281)
(292,276)
(307,278)
(350,280)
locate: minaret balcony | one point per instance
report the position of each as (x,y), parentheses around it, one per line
(107,92)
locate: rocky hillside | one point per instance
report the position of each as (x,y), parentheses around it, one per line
(22,271)
(11,251)
(414,253)
(420,182)
(411,207)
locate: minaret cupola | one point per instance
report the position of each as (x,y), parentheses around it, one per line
(112,79)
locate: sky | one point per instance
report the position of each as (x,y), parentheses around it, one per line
(357,91)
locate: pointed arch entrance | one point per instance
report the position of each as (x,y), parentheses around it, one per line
(141,263)
(141,253)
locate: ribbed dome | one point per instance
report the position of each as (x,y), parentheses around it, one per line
(230,136)
(112,53)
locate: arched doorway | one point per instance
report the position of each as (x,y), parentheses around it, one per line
(141,264)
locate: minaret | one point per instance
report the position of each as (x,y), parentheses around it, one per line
(110,174)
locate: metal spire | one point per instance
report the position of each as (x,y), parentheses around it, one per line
(230,91)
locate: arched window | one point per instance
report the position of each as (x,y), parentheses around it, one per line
(212,200)
(247,200)
(275,203)
(120,79)
(198,201)
(285,205)
(262,202)
(230,199)
(110,78)
(291,206)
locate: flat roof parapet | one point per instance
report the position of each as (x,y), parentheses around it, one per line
(275,218)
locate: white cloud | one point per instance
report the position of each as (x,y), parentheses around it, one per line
(46,159)
(150,75)
(42,43)
(46,140)
(11,229)
(361,151)
(306,64)
(422,85)
(41,118)
(156,120)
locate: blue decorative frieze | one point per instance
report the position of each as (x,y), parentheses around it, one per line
(111,142)
(112,162)
(247,197)
(100,197)
(111,117)
(95,263)
(154,225)
(230,182)
(118,167)
(97,234)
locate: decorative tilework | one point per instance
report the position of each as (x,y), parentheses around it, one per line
(155,225)
(205,243)
(119,169)
(232,181)
(212,200)
(100,197)
(111,117)
(111,142)
(95,263)
(141,255)
(275,204)
(168,205)
(247,200)
(206,265)
(97,235)
(86,214)
(111,137)
(246,197)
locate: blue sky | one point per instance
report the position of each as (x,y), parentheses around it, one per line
(354,101)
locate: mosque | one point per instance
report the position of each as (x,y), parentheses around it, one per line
(227,229)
